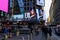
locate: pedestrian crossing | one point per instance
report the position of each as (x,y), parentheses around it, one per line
(31,37)
(20,37)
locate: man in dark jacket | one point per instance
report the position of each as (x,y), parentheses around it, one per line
(50,33)
(44,32)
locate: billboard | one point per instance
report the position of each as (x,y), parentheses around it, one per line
(4,5)
(39,13)
(18,17)
(40,2)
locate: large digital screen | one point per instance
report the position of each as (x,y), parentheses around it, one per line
(18,17)
(4,5)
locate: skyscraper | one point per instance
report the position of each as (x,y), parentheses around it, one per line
(55,11)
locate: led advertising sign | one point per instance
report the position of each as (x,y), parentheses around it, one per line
(4,5)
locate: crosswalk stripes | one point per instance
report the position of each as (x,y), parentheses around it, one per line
(22,37)
(34,37)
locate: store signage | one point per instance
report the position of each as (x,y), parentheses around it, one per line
(27,15)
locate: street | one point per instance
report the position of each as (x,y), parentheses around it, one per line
(29,19)
(32,37)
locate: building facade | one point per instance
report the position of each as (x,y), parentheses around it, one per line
(51,12)
(55,11)
(20,6)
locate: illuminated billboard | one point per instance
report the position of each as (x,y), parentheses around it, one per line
(40,2)
(39,13)
(18,17)
(4,5)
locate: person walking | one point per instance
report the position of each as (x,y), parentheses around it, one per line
(44,32)
(50,33)
(5,30)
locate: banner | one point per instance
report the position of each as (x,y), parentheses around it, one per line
(39,13)
(4,5)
